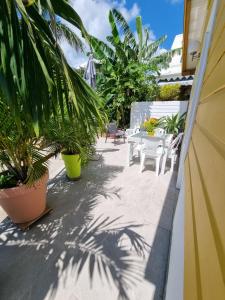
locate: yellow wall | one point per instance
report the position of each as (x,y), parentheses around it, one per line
(204,276)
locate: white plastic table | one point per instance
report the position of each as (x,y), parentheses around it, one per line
(137,138)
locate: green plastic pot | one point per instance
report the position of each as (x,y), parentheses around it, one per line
(73,165)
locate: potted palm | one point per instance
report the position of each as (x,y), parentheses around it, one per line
(73,141)
(36,83)
(24,173)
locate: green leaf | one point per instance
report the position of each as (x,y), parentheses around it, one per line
(115,32)
(140,34)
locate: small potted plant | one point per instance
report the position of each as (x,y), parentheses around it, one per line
(73,141)
(173,124)
(150,126)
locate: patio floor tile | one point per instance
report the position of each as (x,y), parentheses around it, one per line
(40,263)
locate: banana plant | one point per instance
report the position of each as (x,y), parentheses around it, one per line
(129,66)
(123,41)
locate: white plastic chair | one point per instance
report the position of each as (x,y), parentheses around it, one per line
(113,131)
(151,149)
(168,139)
(135,145)
(159,131)
(171,152)
(131,131)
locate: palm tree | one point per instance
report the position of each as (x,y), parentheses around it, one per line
(34,74)
(36,82)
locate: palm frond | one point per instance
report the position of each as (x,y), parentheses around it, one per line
(39,165)
(71,37)
(28,73)
(152,48)
(99,245)
(63,9)
(125,27)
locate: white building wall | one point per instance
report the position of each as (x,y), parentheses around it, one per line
(175,65)
(175,281)
(140,111)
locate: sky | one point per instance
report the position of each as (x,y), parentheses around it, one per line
(163,17)
(160,16)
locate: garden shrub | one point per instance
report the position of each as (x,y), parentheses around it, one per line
(170,92)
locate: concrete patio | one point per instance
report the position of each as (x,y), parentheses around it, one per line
(111,212)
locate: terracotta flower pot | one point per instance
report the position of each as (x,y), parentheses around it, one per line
(22,203)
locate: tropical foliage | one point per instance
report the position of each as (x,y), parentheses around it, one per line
(38,89)
(173,124)
(71,137)
(129,66)
(34,74)
(170,92)
(20,151)
(36,82)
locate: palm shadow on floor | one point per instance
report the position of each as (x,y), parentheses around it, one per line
(70,237)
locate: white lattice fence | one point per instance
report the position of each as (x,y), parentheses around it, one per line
(140,111)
